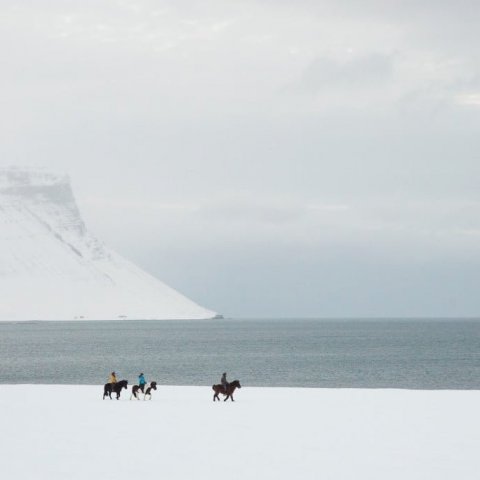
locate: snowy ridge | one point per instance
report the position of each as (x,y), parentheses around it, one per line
(52,268)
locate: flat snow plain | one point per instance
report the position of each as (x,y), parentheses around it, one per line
(59,432)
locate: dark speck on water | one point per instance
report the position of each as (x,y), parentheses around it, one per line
(418,354)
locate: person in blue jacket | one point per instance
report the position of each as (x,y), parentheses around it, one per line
(142,382)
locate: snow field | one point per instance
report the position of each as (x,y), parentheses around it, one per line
(57,432)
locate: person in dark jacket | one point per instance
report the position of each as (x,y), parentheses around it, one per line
(142,382)
(224,381)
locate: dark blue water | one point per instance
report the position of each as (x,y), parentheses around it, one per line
(426,354)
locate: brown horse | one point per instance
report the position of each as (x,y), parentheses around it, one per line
(229,393)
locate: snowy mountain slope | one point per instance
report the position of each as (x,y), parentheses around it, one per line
(51,268)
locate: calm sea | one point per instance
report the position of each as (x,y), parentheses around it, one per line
(426,354)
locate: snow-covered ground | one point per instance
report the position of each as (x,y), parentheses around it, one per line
(60,432)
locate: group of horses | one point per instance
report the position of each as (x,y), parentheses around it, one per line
(116,388)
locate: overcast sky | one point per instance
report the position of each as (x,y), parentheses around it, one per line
(266,158)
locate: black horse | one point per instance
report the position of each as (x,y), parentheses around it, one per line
(229,393)
(108,388)
(136,389)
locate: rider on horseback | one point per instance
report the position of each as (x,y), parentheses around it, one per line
(142,382)
(224,382)
(112,379)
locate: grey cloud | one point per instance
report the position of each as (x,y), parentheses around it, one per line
(248,211)
(353,72)
(188,156)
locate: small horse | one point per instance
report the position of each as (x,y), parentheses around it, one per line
(108,388)
(148,391)
(229,393)
(136,389)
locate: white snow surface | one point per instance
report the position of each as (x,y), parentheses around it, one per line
(52,268)
(58,432)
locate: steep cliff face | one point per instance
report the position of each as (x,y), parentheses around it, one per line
(52,268)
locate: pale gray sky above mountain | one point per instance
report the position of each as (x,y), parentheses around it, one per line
(264,157)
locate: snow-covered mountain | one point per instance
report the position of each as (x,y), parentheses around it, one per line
(52,268)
